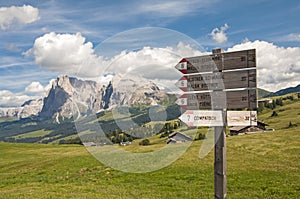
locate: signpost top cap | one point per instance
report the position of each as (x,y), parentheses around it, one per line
(217,51)
(183,60)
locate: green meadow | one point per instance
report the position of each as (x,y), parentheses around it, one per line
(259,165)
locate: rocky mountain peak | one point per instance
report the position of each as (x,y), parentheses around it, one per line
(69,96)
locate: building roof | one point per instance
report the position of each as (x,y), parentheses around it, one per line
(179,133)
(262,123)
(238,128)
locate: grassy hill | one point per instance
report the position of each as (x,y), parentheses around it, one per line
(34,130)
(260,165)
(262,93)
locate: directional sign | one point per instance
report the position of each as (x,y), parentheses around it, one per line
(218,80)
(216,62)
(202,118)
(182,83)
(237,99)
(221,76)
(239,59)
(182,66)
(241,118)
(197,65)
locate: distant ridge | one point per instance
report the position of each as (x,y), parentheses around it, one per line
(285,91)
(262,93)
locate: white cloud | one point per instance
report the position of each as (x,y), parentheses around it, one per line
(71,54)
(219,35)
(68,53)
(293,37)
(33,91)
(9,99)
(34,88)
(11,16)
(49,86)
(173,8)
(152,63)
(278,67)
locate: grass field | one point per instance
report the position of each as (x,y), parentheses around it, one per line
(259,165)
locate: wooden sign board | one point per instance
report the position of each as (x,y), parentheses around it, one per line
(241,118)
(237,99)
(218,80)
(202,118)
(217,62)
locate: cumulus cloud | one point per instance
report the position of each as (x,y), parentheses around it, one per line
(152,63)
(68,53)
(10,99)
(278,67)
(293,37)
(71,54)
(35,87)
(219,35)
(12,16)
(34,90)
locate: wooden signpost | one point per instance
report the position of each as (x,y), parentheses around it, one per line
(212,84)
(217,80)
(234,99)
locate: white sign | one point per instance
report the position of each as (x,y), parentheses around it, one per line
(241,118)
(182,83)
(181,101)
(182,65)
(202,118)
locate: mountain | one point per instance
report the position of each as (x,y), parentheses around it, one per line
(262,93)
(87,95)
(28,108)
(285,91)
(70,96)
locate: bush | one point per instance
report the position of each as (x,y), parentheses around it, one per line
(291,125)
(274,114)
(200,136)
(144,142)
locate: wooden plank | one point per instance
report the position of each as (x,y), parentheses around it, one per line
(201,64)
(239,59)
(219,100)
(218,62)
(242,99)
(219,80)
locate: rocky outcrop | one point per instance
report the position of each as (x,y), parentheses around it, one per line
(29,108)
(70,96)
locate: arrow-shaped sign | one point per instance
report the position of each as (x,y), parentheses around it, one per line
(182,66)
(223,61)
(182,101)
(218,80)
(182,84)
(218,100)
(202,118)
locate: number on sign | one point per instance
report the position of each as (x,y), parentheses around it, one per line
(182,65)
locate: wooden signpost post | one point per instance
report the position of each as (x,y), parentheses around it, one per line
(213,84)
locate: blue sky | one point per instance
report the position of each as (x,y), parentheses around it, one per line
(272,27)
